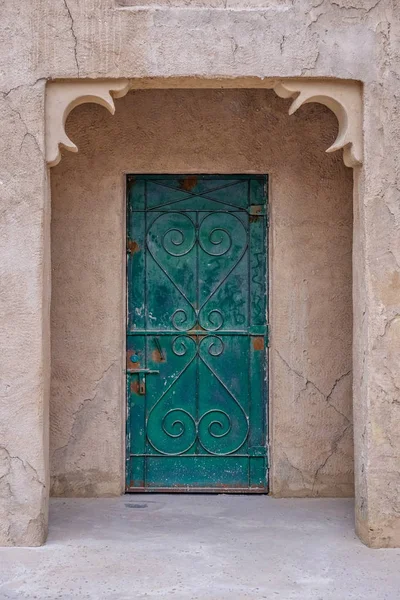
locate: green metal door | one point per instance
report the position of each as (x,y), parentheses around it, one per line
(196,333)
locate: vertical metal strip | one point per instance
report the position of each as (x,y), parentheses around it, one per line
(249,323)
(145,459)
(266,362)
(197,447)
(257,347)
(128,427)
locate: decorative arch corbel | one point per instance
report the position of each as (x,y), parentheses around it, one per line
(63,97)
(343,98)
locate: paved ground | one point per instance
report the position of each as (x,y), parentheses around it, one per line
(200,548)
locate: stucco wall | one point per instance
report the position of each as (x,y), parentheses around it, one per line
(52,39)
(206,131)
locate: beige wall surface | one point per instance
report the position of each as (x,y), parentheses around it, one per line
(42,40)
(204,131)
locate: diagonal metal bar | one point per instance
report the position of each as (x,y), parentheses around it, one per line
(230,270)
(246,418)
(194,195)
(165,271)
(171,385)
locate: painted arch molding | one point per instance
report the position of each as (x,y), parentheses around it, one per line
(343,98)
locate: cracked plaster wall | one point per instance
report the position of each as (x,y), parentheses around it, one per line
(44,39)
(24,308)
(311,227)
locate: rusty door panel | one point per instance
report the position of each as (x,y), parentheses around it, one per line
(197,333)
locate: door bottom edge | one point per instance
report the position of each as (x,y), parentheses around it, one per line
(196,490)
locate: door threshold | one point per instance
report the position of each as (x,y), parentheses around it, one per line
(197,490)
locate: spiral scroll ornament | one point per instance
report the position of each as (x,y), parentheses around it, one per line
(219,243)
(181,320)
(174,430)
(179,424)
(178,242)
(181,345)
(213,240)
(216,424)
(165,243)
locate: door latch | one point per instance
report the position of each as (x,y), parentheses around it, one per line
(142,377)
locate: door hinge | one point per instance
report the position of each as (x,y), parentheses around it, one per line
(258,330)
(257,451)
(257,210)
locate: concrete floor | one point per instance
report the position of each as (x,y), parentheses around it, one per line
(200,548)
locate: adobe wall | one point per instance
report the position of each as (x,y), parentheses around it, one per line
(204,131)
(72,40)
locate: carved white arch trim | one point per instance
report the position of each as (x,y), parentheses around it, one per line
(63,97)
(343,98)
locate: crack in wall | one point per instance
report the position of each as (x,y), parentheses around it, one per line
(24,463)
(22,85)
(19,115)
(72,29)
(333,450)
(308,382)
(83,405)
(328,398)
(388,324)
(295,469)
(356,8)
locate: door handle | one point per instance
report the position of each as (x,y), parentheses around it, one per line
(159,349)
(142,377)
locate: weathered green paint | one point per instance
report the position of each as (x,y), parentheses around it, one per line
(196,333)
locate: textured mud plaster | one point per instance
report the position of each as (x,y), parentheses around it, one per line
(50,39)
(24,308)
(205,131)
(377,404)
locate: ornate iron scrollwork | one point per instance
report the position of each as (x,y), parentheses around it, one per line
(200,294)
